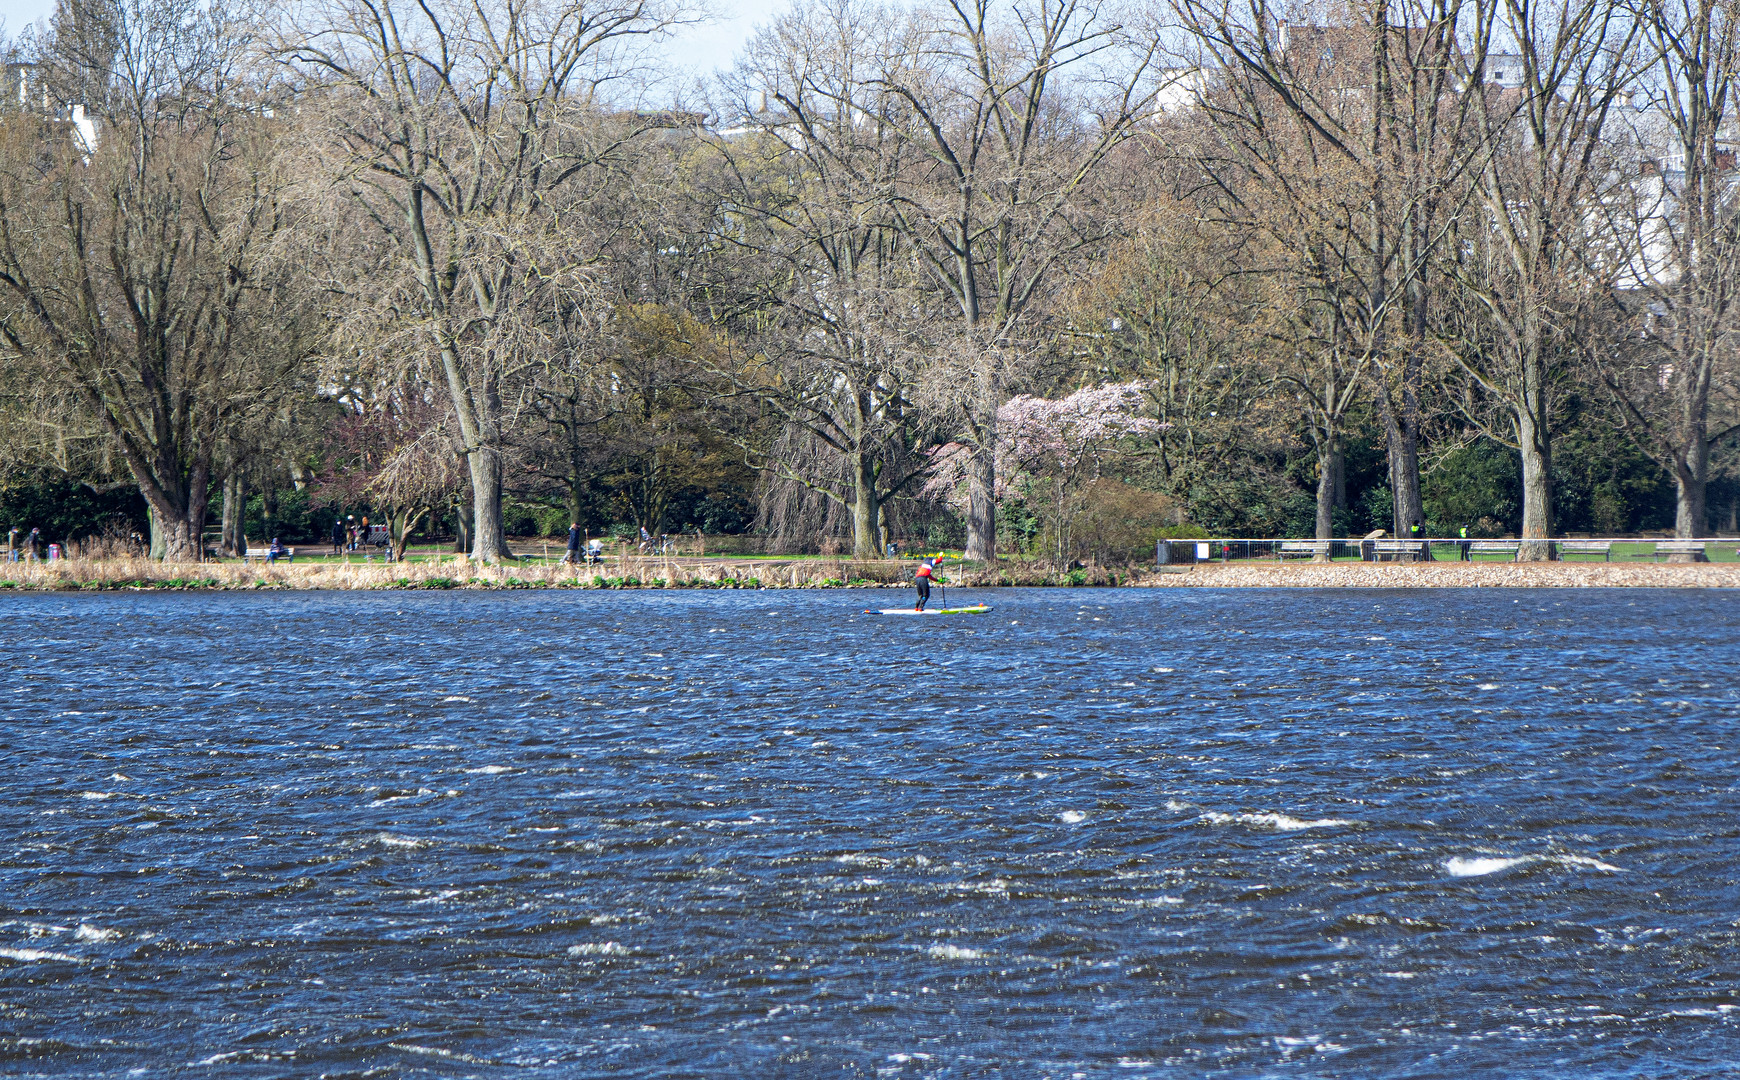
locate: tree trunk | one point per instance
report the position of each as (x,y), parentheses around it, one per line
(866,544)
(178,534)
(462,529)
(574,486)
(403,523)
(178,515)
(1402,443)
(233,542)
(269,509)
(1691,483)
(1537,521)
(1338,497)
(981,497)
(159,536)
(488,544)
(1327,453)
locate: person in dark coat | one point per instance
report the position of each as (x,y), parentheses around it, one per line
(338,536)
(573,555)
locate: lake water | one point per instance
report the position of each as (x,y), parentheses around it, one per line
(1177,833)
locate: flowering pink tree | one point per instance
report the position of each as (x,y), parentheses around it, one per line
(1051,451)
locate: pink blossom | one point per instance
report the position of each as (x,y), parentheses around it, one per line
(1068,438)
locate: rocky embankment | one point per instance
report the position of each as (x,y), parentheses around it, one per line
(1451,575)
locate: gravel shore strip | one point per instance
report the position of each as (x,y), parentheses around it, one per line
(1547,575)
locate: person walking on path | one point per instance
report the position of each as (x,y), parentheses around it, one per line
(922,578)
(338,536)
(12,545)
(573,555)
(33,545)
(1464,545)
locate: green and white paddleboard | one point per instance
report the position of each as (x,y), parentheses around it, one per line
(977,609)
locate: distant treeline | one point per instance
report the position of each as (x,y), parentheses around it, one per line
(1045,279)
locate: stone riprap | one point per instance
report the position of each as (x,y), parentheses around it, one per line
(1452,575)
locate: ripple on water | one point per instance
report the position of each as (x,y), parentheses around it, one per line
(1186,833)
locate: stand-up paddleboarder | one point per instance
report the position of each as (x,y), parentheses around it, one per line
(925,574)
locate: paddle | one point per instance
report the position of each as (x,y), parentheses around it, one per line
(937,560)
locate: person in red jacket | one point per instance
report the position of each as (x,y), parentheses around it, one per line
(922,578)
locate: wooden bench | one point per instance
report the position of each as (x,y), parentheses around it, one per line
(1694,548)
(1411,550)
(1309,549)
(1508,547)
(1603,548)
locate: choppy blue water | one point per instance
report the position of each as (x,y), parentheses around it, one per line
(1094,833)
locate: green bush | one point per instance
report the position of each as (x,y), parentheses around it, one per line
(1478,486)
(67,511)
(298,519)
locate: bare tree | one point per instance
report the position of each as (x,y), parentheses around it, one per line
(1536,260)
(811,177)
(1676,385)
(466,129)
(135,233)
(1344,138)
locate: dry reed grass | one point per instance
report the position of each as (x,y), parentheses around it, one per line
(133,572)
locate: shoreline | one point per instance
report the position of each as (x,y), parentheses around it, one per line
(141,575)
(1448,575)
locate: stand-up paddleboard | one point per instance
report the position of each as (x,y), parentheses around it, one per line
(976,609)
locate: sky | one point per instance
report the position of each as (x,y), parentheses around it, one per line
(698,50)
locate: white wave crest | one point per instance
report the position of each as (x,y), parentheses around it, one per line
(600,948)
(32,956)
(954,952)
(436,1051)
(1481,866)
(1279,822)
